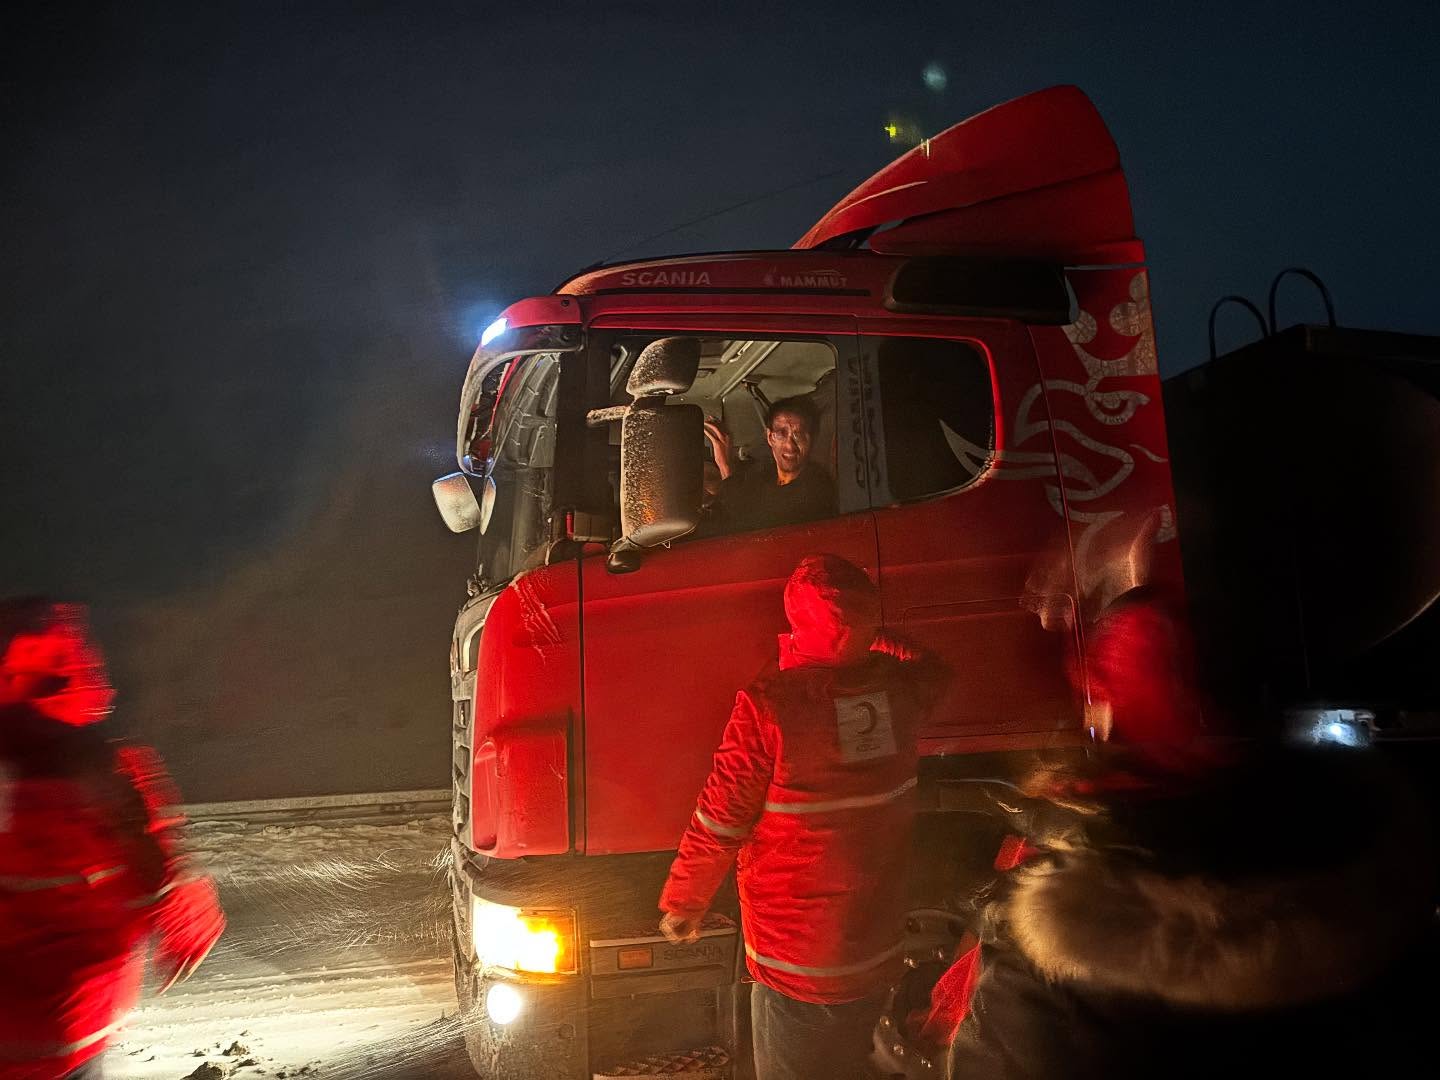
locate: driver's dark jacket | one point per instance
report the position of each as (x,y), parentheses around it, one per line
(754,498)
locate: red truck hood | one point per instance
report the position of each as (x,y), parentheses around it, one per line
(1035,178)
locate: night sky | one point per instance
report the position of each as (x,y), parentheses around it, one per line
(247,256)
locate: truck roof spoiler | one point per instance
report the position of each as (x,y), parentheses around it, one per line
(1037,178)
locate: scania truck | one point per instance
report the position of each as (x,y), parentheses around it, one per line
(972,327)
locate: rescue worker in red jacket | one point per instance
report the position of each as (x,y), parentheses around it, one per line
(90,866)
(813,789)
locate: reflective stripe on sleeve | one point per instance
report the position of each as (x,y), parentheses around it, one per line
(727,831)
(855,802)
(155,897)
(38,884)
(29,1052)
(826,972)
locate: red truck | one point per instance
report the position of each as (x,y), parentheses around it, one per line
(972,328)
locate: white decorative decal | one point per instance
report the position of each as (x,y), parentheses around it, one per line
(1090,470)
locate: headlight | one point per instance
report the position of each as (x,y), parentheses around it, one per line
(503,1003)
(518,939)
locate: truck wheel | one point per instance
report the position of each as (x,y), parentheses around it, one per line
(465,981)
(464,974)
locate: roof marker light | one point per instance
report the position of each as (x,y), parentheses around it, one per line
(494,330)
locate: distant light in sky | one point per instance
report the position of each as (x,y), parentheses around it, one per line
(903,130)
(935,77)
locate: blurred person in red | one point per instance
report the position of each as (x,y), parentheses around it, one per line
(1184,908)
(90,862)
(813,793)
(1138,658)
(1139,692)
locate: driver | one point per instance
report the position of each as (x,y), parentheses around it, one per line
(789,489)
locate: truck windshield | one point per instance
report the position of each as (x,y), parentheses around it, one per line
(519,478)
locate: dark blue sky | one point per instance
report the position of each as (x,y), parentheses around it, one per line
(249,250)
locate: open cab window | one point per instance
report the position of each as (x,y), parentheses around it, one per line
(739,384)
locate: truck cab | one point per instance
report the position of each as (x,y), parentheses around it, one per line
(970,331)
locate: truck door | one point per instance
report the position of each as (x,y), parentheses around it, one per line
(668,645)
(971,551)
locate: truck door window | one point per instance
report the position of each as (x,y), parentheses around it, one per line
(740,382)
(770,376)
(937,417)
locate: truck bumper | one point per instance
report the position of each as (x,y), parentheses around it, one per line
(546,1038)
(683,1014)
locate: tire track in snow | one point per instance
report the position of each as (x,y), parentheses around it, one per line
(323,972)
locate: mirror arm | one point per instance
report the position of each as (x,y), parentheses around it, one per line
(600,417)
(588,528)
(623,558)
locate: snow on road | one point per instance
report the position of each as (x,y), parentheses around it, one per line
(335,963)
(236,852)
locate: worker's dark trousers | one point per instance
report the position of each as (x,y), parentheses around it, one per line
(795,1040)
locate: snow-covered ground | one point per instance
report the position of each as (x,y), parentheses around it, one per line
(335,963)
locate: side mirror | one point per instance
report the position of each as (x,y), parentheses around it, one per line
(661,457)
(665,366)
(456,501)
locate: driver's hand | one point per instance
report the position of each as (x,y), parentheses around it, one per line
(681,929)
(719,445)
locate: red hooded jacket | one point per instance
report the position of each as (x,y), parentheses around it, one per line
(813,789)
(89,860)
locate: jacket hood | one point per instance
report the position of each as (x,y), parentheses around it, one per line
(834,612)
(49,663)
(1267,928)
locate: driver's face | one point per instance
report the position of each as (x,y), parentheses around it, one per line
(789,438)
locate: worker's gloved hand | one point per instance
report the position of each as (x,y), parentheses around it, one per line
(188,923)
(681,928)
